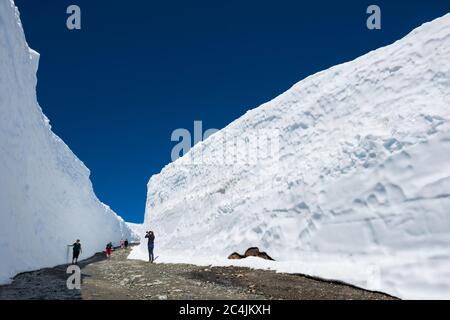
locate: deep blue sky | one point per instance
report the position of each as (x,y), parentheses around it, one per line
(116,89)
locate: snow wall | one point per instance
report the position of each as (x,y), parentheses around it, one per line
(46,198)
(358,188)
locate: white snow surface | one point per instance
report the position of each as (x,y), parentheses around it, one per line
(359,190)
(137,230)
(46,197)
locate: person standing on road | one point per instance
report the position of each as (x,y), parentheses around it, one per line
(76,251)
(150,245)
(108,249)
(126,243)
(122,244)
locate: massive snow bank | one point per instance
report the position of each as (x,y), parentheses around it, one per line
(359,190)
(46,197)
(137,231)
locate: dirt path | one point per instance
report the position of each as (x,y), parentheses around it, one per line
(119,278)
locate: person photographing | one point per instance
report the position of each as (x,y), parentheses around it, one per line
(150,245)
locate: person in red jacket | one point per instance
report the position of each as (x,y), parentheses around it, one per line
(108,250)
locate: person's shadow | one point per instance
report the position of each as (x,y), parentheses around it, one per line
(47,283)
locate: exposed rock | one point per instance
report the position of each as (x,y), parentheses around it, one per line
(250,252)
(235,255)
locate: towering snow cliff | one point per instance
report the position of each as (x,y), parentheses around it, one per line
(358,187)
(46,197)
(137,230)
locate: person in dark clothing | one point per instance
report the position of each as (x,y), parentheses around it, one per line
(108,249)
(76,251)
(126,243)
(150,245)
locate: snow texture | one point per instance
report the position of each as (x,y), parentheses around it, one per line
(137,231)
(359,190)
(46,197)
